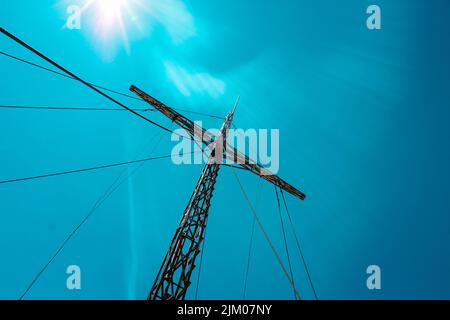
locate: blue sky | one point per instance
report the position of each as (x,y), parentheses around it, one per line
(363,118)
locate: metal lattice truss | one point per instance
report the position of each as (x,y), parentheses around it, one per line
(174,275)
(173,278)
(231,153)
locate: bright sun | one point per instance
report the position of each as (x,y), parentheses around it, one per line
(111,18)
(110,12)
(109,21)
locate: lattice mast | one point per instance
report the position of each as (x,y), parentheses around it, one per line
(173,278)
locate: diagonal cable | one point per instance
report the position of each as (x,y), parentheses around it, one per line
(284,237)
(111,189)
(70,108)
(299,247)
(74,76)
(277,256)
(250,247)
(48,175)
(100,87)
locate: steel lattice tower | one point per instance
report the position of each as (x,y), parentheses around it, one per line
(173,278)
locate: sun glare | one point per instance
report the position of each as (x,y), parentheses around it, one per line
(112,24)
(110,11)
(111,19)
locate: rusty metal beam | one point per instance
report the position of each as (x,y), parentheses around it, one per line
(207,138)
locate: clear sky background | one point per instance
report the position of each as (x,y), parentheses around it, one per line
(363,118)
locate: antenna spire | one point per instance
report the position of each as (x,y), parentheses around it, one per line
(236,103)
